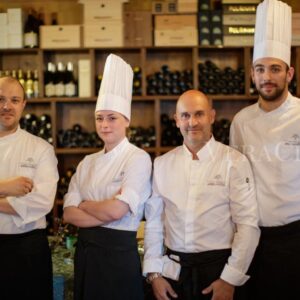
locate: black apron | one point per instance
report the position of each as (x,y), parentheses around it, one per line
(25,266)
(275,269)
(198,271)
(107,265)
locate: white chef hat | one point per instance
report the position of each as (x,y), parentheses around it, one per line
(273,28)
(115,92)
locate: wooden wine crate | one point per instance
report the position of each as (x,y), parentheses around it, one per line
(56,36)
(178,37)
(102,11)
(175,22)
(108,35)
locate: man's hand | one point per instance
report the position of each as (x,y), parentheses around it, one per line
(221,289)
(162,289)
(16,186)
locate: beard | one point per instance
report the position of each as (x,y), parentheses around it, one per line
(274,96)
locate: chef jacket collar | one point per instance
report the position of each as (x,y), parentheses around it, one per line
(283,107)
(206,152)
(117,150)
(11,136)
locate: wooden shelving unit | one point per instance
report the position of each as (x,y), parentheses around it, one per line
(146,109)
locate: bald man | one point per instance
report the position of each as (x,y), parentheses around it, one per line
(203,210)
(28,178)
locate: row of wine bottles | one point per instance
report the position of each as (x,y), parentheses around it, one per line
(77,137)
(29,80)
(214,80)
(38,125)
(167,82)
(59,80)
(142,137)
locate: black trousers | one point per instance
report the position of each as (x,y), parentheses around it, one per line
(198,271)
(25,266)
(107,265)
(275,269)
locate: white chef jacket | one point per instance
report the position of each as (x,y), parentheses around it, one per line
(102,175)
(23,154)
(271,141)
(203,205)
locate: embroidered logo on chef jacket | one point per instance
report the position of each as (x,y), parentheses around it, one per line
(217,180)
(119,177)
(28,163)
(293,141)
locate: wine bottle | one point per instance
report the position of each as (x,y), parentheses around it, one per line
(70,83)
(31,31)
(54,19)
(49,80)
(21,78)
(59,80)
(29,85)
(35,84)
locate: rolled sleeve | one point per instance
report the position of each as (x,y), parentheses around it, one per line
(136,186)
(130,197)
(72,199)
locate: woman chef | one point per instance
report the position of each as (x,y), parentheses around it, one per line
(106,197)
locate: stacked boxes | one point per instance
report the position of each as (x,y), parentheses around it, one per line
(138,29)
(57,36)
(239,22)
(103,23)
(176,30)
(11,28)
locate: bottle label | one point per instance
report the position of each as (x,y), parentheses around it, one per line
(49,90)
(59,89)
(70,89)
(30,39)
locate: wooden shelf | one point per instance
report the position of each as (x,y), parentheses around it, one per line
(76,150)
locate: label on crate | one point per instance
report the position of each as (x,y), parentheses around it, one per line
(239,8)
(238,30)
